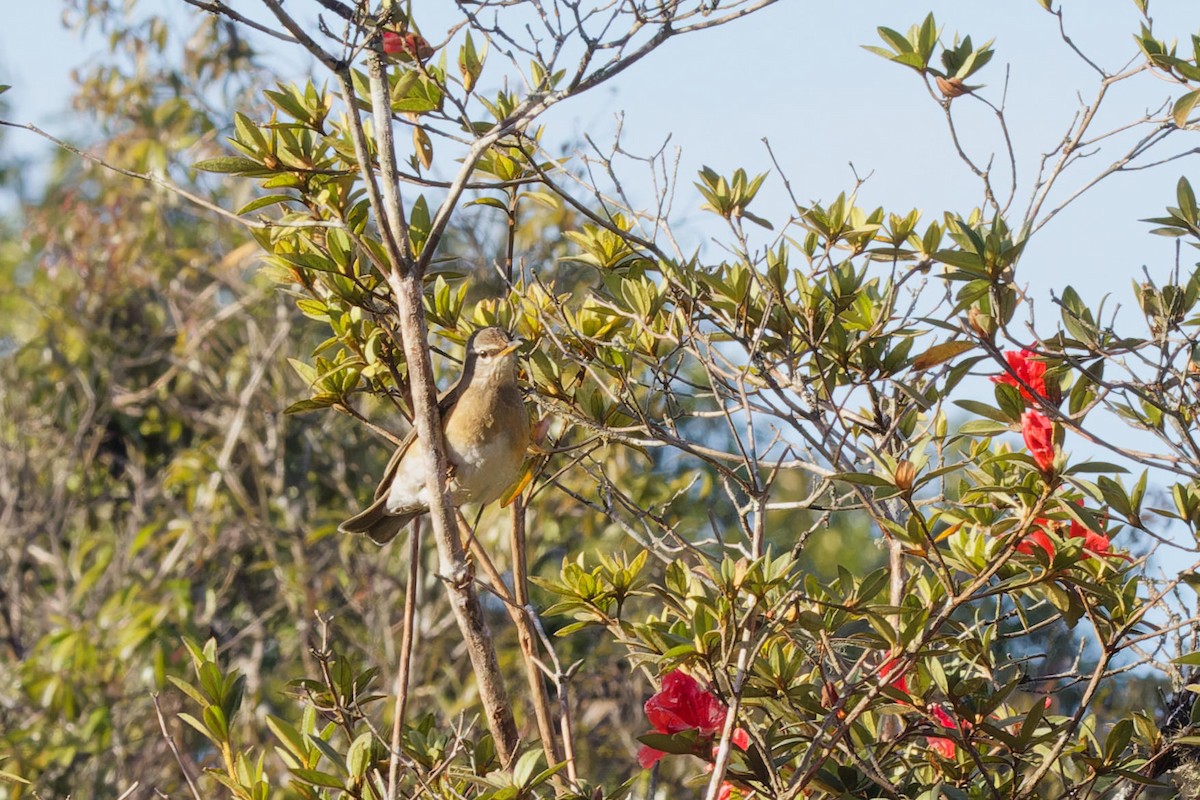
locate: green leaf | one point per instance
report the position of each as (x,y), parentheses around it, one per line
(1094,466)
(544,199)
(898,42)
(326,748)
(419,224)
(286,102)
(199,726)
(489,201)
(4,87)
(263,202)
(248,133)
(864,478)
(1186,197)
(1184,106)
(189,690)
(309,261)
(9,777)
(757,220)
(1188,659)
(215,721)
(230,164)
(1117,740)
(526,766)
(318,778)
(307,372)
(1030,724)
(287,734)
(982,427)
(983,410)
(941,353)
(358,757)
(675,743)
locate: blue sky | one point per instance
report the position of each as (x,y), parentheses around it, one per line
(796,74)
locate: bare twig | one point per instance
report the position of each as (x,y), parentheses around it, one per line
(162,726)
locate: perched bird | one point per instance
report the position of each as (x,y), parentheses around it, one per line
(487,432)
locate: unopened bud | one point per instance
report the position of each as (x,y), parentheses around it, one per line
(951,87)
(906,474)
(984,325)
(829,696)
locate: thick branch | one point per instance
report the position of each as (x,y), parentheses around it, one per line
(405,283)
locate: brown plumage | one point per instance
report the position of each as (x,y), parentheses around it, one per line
(487,432)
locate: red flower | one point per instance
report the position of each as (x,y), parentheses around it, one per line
(682,705)
(1094,543)
(887,670)
(1038,431)
(944,746)
(727,789)
(1036,538)
(1025,366)
(412,45)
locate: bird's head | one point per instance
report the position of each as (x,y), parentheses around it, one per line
(492,352)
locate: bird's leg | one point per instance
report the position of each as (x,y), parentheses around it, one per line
(452,485)
(467,536)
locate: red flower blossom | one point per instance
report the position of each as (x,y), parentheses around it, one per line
(887,671)
(681,705)
(1094,544)
(1025,366)
(1038,431)
(944,746)
(1036,538)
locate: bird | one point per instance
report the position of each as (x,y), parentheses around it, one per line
(486,429)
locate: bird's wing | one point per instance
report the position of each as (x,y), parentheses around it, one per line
(445,402)
(389,473)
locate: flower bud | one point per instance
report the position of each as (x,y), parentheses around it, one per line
(406,45)
(951,87)
(984,325)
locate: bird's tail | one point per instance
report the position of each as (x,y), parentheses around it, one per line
(376,522)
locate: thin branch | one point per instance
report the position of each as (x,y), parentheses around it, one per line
(170,187)
(297,30)
(162,726)
(403,677)
(220,9)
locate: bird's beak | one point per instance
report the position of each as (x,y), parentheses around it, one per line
(512,347)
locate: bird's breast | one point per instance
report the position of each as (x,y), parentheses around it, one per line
(487,450)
